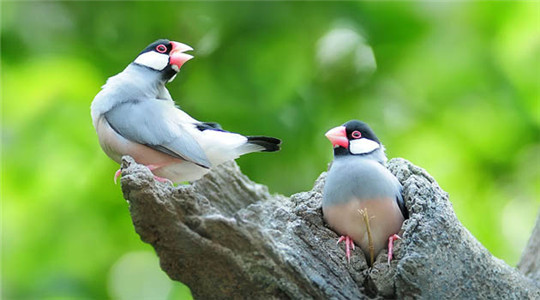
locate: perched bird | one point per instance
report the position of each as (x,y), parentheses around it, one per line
(362,200)
(135,115)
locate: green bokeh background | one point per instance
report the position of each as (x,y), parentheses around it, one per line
(452,87)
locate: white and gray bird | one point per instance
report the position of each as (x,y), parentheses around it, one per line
(362,200)
(135,115)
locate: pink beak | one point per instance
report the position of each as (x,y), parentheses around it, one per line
(177,56)
(338,137)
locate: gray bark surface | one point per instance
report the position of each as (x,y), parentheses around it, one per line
(529,263)
(226,237)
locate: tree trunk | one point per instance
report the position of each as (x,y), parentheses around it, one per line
(226,237)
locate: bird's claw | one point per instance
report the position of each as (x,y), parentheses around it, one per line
(391,240)
(152,167)
(348,245)
(117,174)
(164,180)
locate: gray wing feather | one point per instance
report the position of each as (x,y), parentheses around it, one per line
(401,203)
(156,124)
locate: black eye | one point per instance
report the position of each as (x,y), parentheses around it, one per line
(356,134)
(161,48)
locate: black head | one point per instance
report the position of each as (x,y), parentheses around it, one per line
(164,56)
(353,127)
(165,47)
(354,137)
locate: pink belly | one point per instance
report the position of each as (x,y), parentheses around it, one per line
(116,146)
(385,219)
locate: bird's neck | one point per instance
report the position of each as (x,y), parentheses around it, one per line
(140,81)
(377,154)
(340,152)
(134,83)
(147,74)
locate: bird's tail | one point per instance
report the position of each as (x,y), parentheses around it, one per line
(264,143)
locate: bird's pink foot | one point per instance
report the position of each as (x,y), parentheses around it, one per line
(117,174)
(152,167)
(391,240)
(348,245)
(161,179)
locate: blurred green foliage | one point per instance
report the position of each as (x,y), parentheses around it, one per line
(452,87)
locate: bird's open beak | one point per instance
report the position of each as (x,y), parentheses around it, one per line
(177,57)
(338,137)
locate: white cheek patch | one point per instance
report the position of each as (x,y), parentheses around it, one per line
(363,146)
(153,60)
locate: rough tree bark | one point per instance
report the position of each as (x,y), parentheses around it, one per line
(530,259)
(227,237)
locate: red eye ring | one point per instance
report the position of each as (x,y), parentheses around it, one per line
(356,134)
(161,48)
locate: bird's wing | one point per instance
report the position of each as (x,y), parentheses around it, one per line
(157,124)
(209,125)
(401,203)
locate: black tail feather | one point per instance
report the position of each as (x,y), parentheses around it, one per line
(270,144)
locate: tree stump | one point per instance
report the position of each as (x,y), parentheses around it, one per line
(226,237)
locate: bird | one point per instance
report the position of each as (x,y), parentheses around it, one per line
(134,114)
(362,199)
